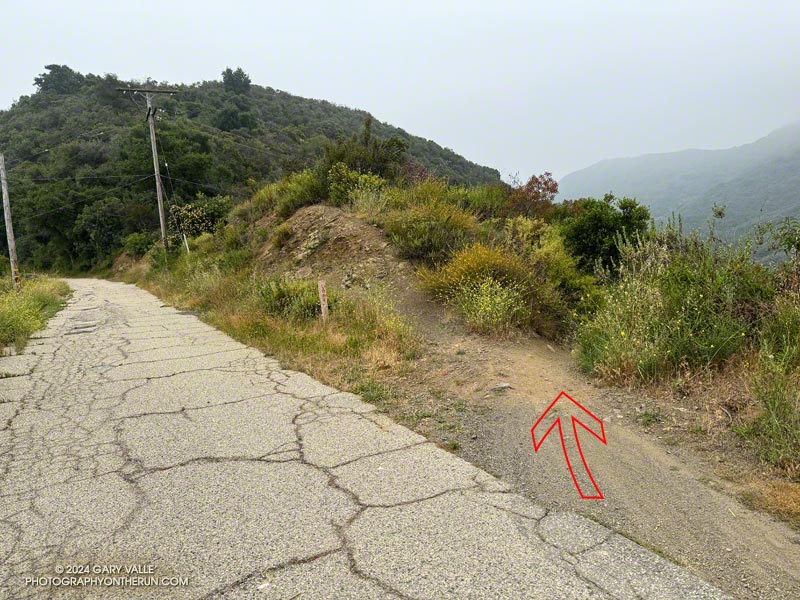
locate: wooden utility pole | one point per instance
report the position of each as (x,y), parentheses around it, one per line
(151,121)
(12,244)
(148,95)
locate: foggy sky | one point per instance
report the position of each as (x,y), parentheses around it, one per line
(521,86)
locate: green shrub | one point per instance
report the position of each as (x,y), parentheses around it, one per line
(292,298)
(775,385)
(366,153)
(262,202)
(475,264)
(593,233)
(17,321)
(780,333)
(488,200)
(341,181)
(678,302)
(201,215)
(490,306)
(204,244)
(282,234)
(234,259)
(430,231)
(577,292)
(298,190)
(777,428)
(541,247)
(137,244)
(427,191)
(537,277)
(369,203)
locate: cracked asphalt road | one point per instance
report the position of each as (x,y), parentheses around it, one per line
(134,434)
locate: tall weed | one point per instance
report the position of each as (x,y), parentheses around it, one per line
(677,302)
(24,312)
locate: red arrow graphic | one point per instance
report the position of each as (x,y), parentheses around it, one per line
(575,422)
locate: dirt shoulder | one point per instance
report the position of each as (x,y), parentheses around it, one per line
(658,490)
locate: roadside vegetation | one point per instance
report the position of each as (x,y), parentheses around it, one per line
(679,305)
(362,338)
(24,312)
(640,304)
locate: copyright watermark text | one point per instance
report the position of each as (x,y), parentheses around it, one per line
(106,575)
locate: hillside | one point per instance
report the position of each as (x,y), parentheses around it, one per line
(79,157)
(755,182)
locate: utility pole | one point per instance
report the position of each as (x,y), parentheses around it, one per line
(148,95)
(12,245)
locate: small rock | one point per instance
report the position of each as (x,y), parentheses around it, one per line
(501,386)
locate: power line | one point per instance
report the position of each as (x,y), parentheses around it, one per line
(166,165)
(89,199)
(217,132)
(24,158)
(75,177)
(133,99)
(17,161)
(151,122)
(208,185)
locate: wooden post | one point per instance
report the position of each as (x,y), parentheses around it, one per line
(323,300)
(186,243)
(12,245)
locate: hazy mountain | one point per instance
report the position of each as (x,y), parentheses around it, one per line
(755,182)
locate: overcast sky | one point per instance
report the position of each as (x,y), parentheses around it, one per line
(523,86)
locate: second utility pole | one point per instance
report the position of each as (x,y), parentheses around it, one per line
(12,245)
(151,121)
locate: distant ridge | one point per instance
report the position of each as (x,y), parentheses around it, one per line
(756,182)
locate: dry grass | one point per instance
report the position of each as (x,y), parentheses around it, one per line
(25,311)
(363,337)
(365,348)
(711,411)
(780,498)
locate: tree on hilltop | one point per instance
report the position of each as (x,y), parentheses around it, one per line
(236,81)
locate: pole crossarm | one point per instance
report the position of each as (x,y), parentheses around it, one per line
(148,91)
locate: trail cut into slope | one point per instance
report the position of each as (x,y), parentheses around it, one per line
(661,489)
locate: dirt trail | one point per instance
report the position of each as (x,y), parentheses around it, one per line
(668,497)
(665,497)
